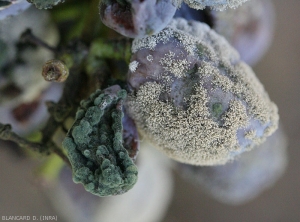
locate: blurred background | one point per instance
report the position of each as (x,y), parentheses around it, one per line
(279,71)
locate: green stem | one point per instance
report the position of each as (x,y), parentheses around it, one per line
(6,133)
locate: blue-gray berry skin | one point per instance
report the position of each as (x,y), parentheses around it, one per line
(101,155)
(135,18)
(12,8)
(194,98)
(189,13)
(248,28)
(45,4)
(246,177)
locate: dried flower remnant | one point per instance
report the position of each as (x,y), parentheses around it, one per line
(100,151)
(246,177)
(55,71)
(219,5)
(196,101)
(135,18)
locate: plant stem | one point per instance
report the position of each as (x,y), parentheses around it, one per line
(6,133)
(28,36)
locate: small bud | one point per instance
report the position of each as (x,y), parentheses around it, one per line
(55,71)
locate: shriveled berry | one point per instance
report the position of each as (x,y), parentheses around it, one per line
(194,98)
(101,154)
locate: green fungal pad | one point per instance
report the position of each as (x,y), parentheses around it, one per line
(95,145)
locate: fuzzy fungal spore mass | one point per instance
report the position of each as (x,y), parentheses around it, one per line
(195,99)
(97,148)
(219,5)
(45,4)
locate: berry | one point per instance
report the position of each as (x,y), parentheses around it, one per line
(12,8)
(248,28)
(101,152)
(135,18)
(246,177)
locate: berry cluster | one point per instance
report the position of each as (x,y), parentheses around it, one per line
(186,90)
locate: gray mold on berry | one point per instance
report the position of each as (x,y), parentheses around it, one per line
(45,4)
(96,148)
(246,177)
(219,5)
(196,100)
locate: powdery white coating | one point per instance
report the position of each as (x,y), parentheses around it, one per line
(150,58)
(178,67)
(219,5)
(133,65)
(45,4)
(205,110)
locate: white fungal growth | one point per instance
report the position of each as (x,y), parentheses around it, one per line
(250,135)
(189,136)
(219,5)
(196,101)
(133,66)
(178,67)
(150,58)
